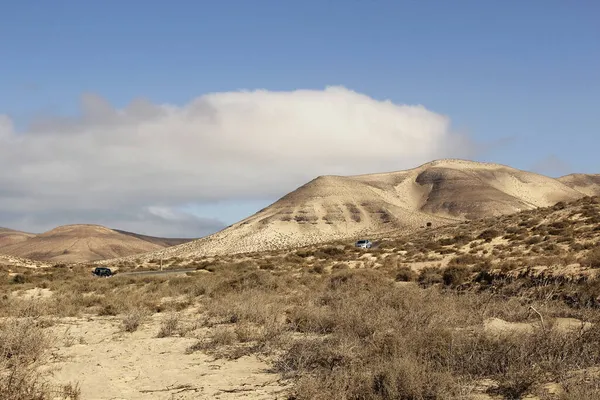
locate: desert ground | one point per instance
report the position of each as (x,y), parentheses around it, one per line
(503,307)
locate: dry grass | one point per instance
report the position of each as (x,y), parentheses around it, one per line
(169,326)
(354,333)
(133,319)
(24,349)
(349,323)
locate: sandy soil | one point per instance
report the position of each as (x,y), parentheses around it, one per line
(32,294)
(110,364)
(115,365)
(564,325)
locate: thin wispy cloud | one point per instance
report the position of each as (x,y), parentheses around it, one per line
(552,165)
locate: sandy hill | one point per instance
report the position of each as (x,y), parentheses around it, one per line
(336,207)
(9,236)
(79,243)
(548,244)
(588,184)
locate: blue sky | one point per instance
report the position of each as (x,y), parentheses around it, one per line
(519,78)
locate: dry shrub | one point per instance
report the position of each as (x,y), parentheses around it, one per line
(430,276)
(339,266)
(133,319)
(372,351)
(488,234)
(19,279)
(223,336)
(592,259)
(409,343)
(465,259)
(225,342)
(250,308)
(246,332)
(357,280)
(578,389)
(534,240)
(406,274)
(311,319)
(108,310)
(455,275)
(169,325)
(251,280)
(318,268)
(329,252)
(400,378)
(24,348)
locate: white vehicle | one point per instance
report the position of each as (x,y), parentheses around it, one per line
(365,244)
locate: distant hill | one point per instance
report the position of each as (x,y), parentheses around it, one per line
(164,242)
(588,184)
(9,236)
(78,243)
(337,207)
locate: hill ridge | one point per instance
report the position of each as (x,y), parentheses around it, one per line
(333,207)
(78,243)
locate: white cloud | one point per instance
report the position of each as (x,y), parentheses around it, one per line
(235,145)
(6,128)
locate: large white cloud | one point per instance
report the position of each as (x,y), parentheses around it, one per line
(235,145)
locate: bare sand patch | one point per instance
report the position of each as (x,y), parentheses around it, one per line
(111,364)
(33,294)
(564,325)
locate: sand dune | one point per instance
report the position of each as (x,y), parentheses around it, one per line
(79,243)
(336,207)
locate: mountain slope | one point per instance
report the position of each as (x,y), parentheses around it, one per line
(79,243)
(163,242)
(334,207)
(9,236)
(588,184)
(12,261)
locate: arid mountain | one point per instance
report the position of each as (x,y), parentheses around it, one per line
(335,207)
(544,243)
(79,243)
(9,236)
(588,184)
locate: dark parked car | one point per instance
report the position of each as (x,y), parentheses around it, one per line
(102,271)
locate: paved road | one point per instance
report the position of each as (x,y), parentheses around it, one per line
(157,272)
